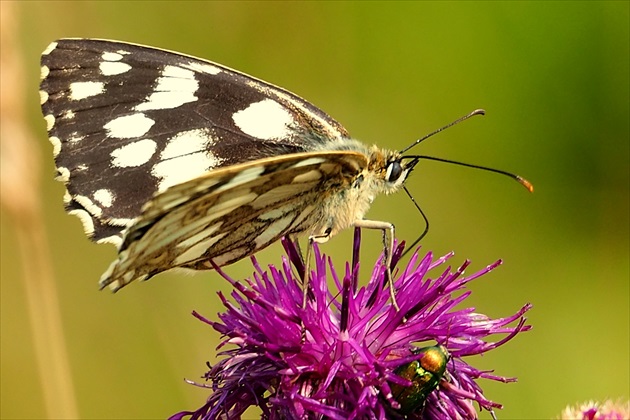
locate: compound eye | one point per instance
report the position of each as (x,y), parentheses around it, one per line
(394,171)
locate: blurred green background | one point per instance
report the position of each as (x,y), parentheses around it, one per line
(553,78)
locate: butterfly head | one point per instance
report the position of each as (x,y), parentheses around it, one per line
(392,168)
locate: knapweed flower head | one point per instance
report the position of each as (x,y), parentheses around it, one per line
(593,410)
(349,353)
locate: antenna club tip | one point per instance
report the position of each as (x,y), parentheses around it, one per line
(478,112)
(526,184)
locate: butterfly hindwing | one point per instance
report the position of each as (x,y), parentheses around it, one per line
(233,212)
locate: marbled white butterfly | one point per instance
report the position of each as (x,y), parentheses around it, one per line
(179,161)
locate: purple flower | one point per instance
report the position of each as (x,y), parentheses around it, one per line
(350,354)
(592,410)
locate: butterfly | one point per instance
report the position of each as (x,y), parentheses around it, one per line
(184,163)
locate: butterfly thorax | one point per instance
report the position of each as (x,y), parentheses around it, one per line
(346,204)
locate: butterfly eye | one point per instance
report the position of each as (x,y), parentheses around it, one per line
(394,171)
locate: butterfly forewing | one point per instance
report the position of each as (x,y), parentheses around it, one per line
(180,161)
(128,122)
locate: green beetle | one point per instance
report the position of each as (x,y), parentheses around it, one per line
(425,375)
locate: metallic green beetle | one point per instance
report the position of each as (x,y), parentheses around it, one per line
(425,375)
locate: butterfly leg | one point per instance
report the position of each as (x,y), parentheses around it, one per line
(311,240)
(302,271)
(307,265)
(305,276)
(388,248)
(299,265)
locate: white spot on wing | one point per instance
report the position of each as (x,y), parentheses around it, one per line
(109,68)
(198,246)
(124,222)
(175,87)
(232,200)
(200,236)
(44,71)
(273,230)
(242,177)
(56,143)
(331,130)
(68,115)
(129,126)
(309,176)
(276,213)
(88,205)
(49,48)
(104,196)
(226,206)
(114,284)
(114,240)
(309,161)
(111,56)
(86,220)
(43,97)
(303,216)
(196,251)
(280,193)
(82,90)
(177,170)
(264,120)
(133,154)
(63,174)
(74,137)
(177,72)
(176,230)
(187,142)
(203,68)
(50,121)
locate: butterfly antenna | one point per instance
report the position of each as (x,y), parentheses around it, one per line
(525,183)
(457,121)
(415,158)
